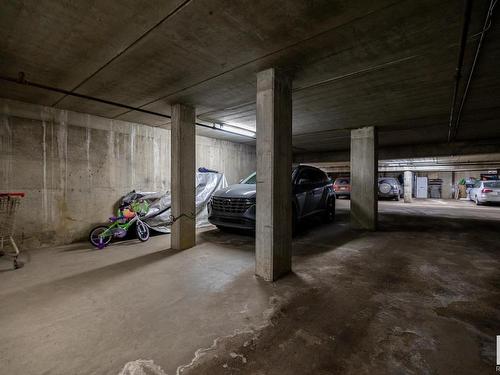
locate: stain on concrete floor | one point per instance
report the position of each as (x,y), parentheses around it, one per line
(422,296)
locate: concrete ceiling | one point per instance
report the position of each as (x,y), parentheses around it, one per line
(358,63)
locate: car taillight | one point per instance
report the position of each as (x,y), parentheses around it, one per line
(486,191)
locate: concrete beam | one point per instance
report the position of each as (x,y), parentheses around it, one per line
(183,177)
(408,186)
(486,146)
(364,204)
(476,162)
(403,167)
(273,243)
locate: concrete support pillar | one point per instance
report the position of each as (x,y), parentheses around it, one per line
(364,175)
(447,187)
(273,240)
(408,186)
(183,177)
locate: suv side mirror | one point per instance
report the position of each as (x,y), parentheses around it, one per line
(304,181)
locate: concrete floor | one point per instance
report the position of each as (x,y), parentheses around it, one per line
(421,295)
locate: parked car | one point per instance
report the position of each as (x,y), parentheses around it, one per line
(485,192)
(234,206)
(342,187)
(389,187)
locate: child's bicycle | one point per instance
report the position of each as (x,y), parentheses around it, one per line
(102,235)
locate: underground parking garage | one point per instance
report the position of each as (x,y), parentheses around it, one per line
(213,187)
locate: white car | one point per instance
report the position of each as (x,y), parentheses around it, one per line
(485,192)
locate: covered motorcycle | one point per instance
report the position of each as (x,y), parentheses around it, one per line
(159,216)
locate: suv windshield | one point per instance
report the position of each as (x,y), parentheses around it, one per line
(252,179)
(316,175)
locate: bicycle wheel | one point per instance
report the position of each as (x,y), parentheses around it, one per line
(97,239)
(142,231)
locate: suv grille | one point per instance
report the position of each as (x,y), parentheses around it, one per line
(232,205)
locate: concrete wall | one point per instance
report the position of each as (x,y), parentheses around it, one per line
(74,167)
(447,179)
(468,174)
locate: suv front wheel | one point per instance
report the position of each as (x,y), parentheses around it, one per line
(295,222)
(329,214)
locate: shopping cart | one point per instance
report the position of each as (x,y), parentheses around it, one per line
(9,202)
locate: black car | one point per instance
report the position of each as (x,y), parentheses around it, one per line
(234,206)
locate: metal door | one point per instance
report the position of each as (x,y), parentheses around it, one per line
(421,187)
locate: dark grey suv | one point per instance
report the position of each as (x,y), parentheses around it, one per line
(234,206)
(389,187)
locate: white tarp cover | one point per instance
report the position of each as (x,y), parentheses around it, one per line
(159,215)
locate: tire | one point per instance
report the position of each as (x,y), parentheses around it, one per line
(477,201)
(222,228)
(96,241)
(142,231)
(295,222)
(329,215)
(384,188)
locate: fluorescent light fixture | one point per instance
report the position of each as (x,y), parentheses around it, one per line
(236,129)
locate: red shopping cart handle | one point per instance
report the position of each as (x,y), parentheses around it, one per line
(12,194)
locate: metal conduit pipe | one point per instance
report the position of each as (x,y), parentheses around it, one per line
(460,62)
(486,26)
(22,81)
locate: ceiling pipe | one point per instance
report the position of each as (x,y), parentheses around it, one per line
(486,26)
(21,80)
(460,62)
